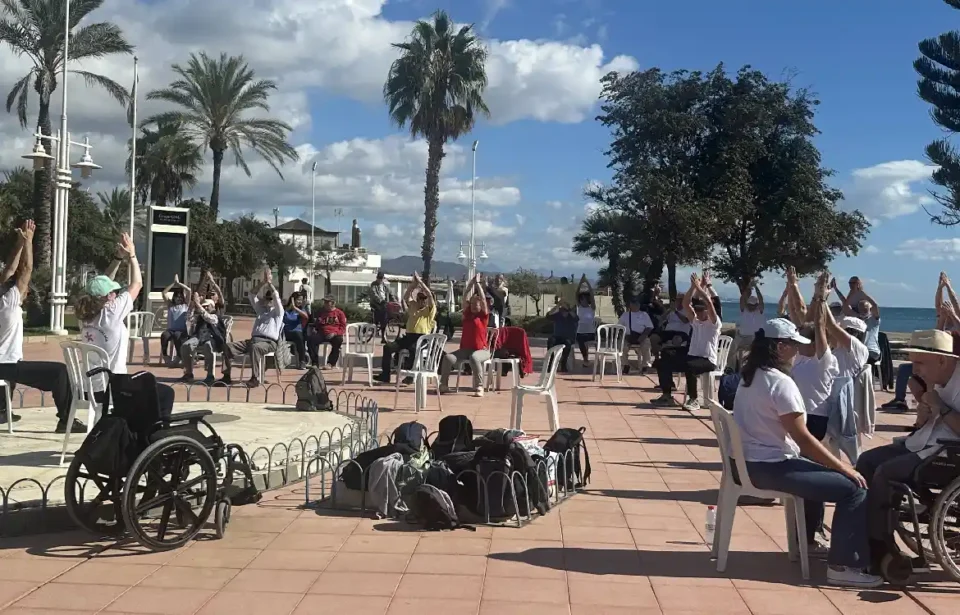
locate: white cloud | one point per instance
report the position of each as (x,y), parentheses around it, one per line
(555,204)
(871,250)
(520,219)
(889,189)
(924,249)
(484,229)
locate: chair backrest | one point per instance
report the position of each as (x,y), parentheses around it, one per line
(140,324)
(551,363)
(493,336)
(360,338)
(723,351)
(731,443)
(160,319)
(228,325)
(428,352)
(610,338)
(81,358)
(435,328)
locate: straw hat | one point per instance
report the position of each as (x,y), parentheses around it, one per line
(931,341)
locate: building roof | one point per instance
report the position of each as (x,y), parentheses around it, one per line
(301,226)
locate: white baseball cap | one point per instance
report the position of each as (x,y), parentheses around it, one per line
(851,322)
(783,329)
(752,300)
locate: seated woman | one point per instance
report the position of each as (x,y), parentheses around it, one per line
(206,336)
(294,320)
(329,326)
(782,455)
(177,297)
(209,289)
(473,339)
(103,309)
(565,325)
(587,319)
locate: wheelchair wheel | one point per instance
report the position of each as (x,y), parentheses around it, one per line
(174,475)
(945,529)
(92,499)
(908,538)
(896,569)
(221,517)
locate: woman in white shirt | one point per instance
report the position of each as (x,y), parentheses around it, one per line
(815,366)
(751,319)
(587,319)
(700,356)
(782,455)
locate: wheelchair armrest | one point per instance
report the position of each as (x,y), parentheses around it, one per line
(190,417)
(949,442)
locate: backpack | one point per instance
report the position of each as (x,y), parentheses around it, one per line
(499,465)
(435,510)
(110,448)
(454,435)
(238,462)
(354,474)
(727,391)
(312,393)
(408,438)
(564,440)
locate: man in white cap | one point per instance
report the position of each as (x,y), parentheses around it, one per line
(751,320)
(206,336)
(936,385)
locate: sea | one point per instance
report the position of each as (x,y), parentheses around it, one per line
(892,319)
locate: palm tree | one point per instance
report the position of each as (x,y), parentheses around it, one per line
(167,162)
(116,212)
(436,87)
(34,28)
(216,96)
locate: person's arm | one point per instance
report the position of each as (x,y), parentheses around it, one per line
(411,288)
(426,289)
(342,318)
(835,331)
(782,304)
(13,261)
(210,318)
(874,308)
(214,287)
(938,298)
(25,266)
(951,295)
(593,299)
(111,271)
(744,296)
(165,293)
(711,310)
(844,301)
(819,306)
(136,279)
(470,291)
(485,309)
(756,290)
(797,306)
(187,291)
(688,298)
(811,448)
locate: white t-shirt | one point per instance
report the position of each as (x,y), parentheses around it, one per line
(814,378)
(750,322)
(636,322)
(11,326)
(757,410)
(852,361)
(704,337)
(109,331)
(925,438)
(675,323)
(588,320)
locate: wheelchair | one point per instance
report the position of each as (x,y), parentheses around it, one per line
(926,518)
(154,477)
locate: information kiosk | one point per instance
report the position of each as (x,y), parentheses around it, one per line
(168,247)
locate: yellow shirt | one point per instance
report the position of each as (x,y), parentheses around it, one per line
(421,320)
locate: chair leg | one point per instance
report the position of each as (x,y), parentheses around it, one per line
(596,360)
(396,397)
(343,372)
(456,388)
(66,437)
(553,411)
(6,390)
(514,375)
(724,529)
(439,396)
(517,410)
(797,534)
(619,366)
(370,372)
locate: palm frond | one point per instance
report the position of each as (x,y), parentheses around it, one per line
(18,95)
(117,91)
(97,41)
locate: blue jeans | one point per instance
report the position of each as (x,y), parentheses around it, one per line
(904,373)
(816,484)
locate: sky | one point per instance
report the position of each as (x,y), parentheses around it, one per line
(542,145)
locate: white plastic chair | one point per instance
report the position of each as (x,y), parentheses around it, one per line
(263,363)
(140,324)
(545,387)
(731,448)
(426,366)
(81,358)
(227,338)
(8,393)
(358,346)
(492,334)
(708,380)
(610,341)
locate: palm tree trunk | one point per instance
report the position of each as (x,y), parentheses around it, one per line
(44,183)
(215,191)
(431,204)
(672,278)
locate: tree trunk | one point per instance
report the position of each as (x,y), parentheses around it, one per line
(672,278)
(228,300)
(431,204)
(44,184)
(215,191)
(616,282)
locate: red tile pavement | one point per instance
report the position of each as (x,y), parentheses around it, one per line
(631,543)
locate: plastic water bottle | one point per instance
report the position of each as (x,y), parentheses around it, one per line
(711,524)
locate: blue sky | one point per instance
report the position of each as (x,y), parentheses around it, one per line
(542,145)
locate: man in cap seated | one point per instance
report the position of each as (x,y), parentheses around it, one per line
(639,326)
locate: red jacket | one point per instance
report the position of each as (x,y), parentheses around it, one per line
(330,322)
(515,340)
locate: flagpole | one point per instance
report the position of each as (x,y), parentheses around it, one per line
(133,154)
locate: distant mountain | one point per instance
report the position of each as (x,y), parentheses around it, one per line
(407,265)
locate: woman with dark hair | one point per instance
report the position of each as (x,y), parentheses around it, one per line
(177,297)
(294,320)
(586,318)
(782,455)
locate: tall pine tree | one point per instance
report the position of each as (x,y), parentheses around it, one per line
(939,85)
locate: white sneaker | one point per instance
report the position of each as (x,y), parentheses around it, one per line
(691,406)
(478,392)
(852,577)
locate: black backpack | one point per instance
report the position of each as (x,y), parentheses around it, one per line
(454,435)
(354,473)
(110,448)
(408,438)
(435,510)
(566,439)
(238,463)
(312,392)
(499,465)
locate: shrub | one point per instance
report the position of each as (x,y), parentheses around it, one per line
(540,325)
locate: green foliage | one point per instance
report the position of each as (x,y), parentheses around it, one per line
(539,326)
(938,85)
(526,283)
(168,161)
(204,240)
(116,212)
(91,240)
(435,88)
(215,97)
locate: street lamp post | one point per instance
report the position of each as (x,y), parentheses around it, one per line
(313,223)
(471,256)
(58,284)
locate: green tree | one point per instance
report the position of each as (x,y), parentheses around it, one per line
(92,240)
(526,283)
(168,161)
(16,194)
(116,212)
(204,239)
(435,88)
(939,85)
(216,97)
(605,236)
(35,29)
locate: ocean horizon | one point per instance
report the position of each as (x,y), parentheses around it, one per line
(892,319)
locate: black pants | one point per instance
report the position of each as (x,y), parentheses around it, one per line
(176,337)
(879,466)
(299,344)
(407,341)
(313,345)
(873,357)
(380,317)
(672,362)
(567,344)
(43,375)
(582,339)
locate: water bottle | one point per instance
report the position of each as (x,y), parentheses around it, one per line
(711,525)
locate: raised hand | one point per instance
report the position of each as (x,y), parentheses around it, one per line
(706,277)
(833,284)
(944,279)
(694,281)
(26,231)
(791,275)
(126,246)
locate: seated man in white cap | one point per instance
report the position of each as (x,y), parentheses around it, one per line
(936,384)
(206,336)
